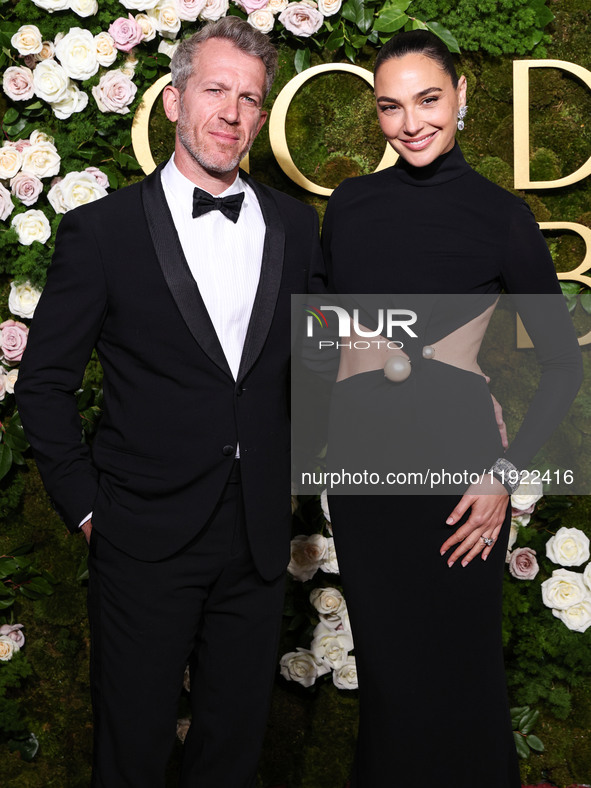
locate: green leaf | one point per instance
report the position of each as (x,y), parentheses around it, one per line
(530,723)
(520,745)
(390,20)
(16,128)
(417,24)
(358,40)
(535,743)
(365,19)
(445,35)
(40,586)
(586,302)
(5,459)
(400,5)
(302,60)
(569,288)
(350,51)
(82,573)
(10,116)
(8,566)
(335,40)
(6,603)
(349,11)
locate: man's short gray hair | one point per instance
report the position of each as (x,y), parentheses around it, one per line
(231,28)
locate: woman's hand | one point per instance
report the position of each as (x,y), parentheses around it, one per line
(488,502)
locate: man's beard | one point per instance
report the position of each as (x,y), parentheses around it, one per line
(204,161)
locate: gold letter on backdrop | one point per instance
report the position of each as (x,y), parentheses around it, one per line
(578,274)
(521,123)
(279,116)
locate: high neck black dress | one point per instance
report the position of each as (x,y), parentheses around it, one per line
(433,701)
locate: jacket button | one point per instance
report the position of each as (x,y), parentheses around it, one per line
(239,391)
(228,450)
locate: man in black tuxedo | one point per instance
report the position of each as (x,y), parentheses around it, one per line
(182,282)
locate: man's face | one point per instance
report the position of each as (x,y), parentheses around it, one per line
(219,114)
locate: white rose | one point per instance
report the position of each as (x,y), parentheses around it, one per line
(307,553)
(168,48)
(147,26)
(215,9)
(6,204)
(115,92)
(42,159)
(513,532)
(27,40)
(41,136)
(77,53)
(17,83)
(138,5)
(330,563)
(568,547)
(23,299)
(324,504)
(329,7)
(576,617)
(10,379)
(77,188)
(587,576)
(106,51)
(47,51)
(73,100)
(345,677)
(11,161)
(84,7)
(7,648)
(56,197)
(189,10)
(3,390)
(50,80)
(166,19)
(301,666)
(526,494)
(31,226)
(130,65)
(521,519)
(277,6)
(52,5)
(563,589)
(26,188)
(328,601)
(262,20)
(331,647)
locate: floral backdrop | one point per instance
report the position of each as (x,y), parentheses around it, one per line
(73,74)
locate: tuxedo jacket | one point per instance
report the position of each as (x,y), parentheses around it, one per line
(173,413)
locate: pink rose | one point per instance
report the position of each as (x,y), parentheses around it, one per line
(99,176)
(518,512)
(17,83)
(252,5)
(114,92)
(13,340)
(126,33)
(26,187)
(6,204)
(523,564)
(30,61)
(20,145)
(14,633)
(301,19)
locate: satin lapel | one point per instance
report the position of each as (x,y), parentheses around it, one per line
(271,271)
(176,270)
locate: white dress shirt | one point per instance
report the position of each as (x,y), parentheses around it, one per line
(224,258)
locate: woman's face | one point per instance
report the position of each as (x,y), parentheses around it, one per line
(417,107)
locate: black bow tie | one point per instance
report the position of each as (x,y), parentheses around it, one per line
(229,206)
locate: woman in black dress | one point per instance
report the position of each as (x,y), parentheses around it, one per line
(422,573)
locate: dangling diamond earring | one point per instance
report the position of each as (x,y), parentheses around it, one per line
(462,112)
